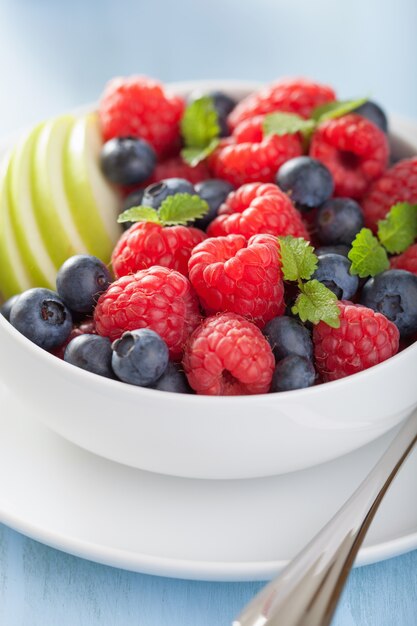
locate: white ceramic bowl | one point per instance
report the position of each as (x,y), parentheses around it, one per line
(211,437)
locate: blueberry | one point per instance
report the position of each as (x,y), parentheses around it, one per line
(214,192)
(140,357)
(80,281)
(127,161)
(286,336)
(92,353)
(173,379)
(293,372)
(156,193)
(338,221)
(374,113)
(333,271)
(339,249)
(42,317)
(223,104)
(307,181)
(6,308)
(133,199)
(394,294)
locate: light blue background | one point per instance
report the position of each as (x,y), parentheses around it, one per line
(55,55)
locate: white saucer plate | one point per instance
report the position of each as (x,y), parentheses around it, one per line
(70,499)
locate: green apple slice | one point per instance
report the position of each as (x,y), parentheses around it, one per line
(33,251)
(94,203)
(53,210)
(13,276)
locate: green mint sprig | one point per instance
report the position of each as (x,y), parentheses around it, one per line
(368,254)
(179,208)
(315,302)
(399,229)
(200,130)
(291,123)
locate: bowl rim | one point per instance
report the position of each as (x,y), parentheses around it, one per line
(108,384)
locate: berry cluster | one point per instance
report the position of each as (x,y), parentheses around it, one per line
(215,286)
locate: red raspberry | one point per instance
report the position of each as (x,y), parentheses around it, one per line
(83,328)
(177,168)
(363,339)
(407,260)
(232,274)
(354,150)
(258,208)
(249,157)
(138,106)
(292,95)
(155,298)
(146,244)
(398,184)
(228,356)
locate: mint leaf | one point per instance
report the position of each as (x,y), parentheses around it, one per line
(399,229)
(286,124)
(182,208)
(316,303)
(199,124)
(338,108)
(367,256)
(297,258)
(139,214)
(193,156)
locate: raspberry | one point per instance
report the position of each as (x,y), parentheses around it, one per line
(146,244)
(177,168)
(406,261)
(354,150)
(244,277)
(155,298)
(249,157)
(228,356)
(292,95)
(398,184)
(138,107)
(363,339)
(83,328)
(258,208)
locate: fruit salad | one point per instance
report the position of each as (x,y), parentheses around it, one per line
(209,246)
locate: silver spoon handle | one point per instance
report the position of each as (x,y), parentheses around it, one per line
(307,591)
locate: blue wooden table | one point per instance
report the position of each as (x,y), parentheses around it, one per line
(40,586)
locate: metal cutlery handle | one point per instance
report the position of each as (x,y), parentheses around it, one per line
(307,591)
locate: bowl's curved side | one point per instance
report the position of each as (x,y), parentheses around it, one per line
(205,437)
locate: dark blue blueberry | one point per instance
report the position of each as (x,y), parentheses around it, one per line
(156,193)
(92,353)
(394,294)
(133,199)
(140,357)
(214,192)
(333,271)
(42,317)
(223,104)
(127,161)
(286,336)
(173,379)
(339,249)
(6,308)
(374,113)
(81,280)
(338,221)
(293,372)
(307,181)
